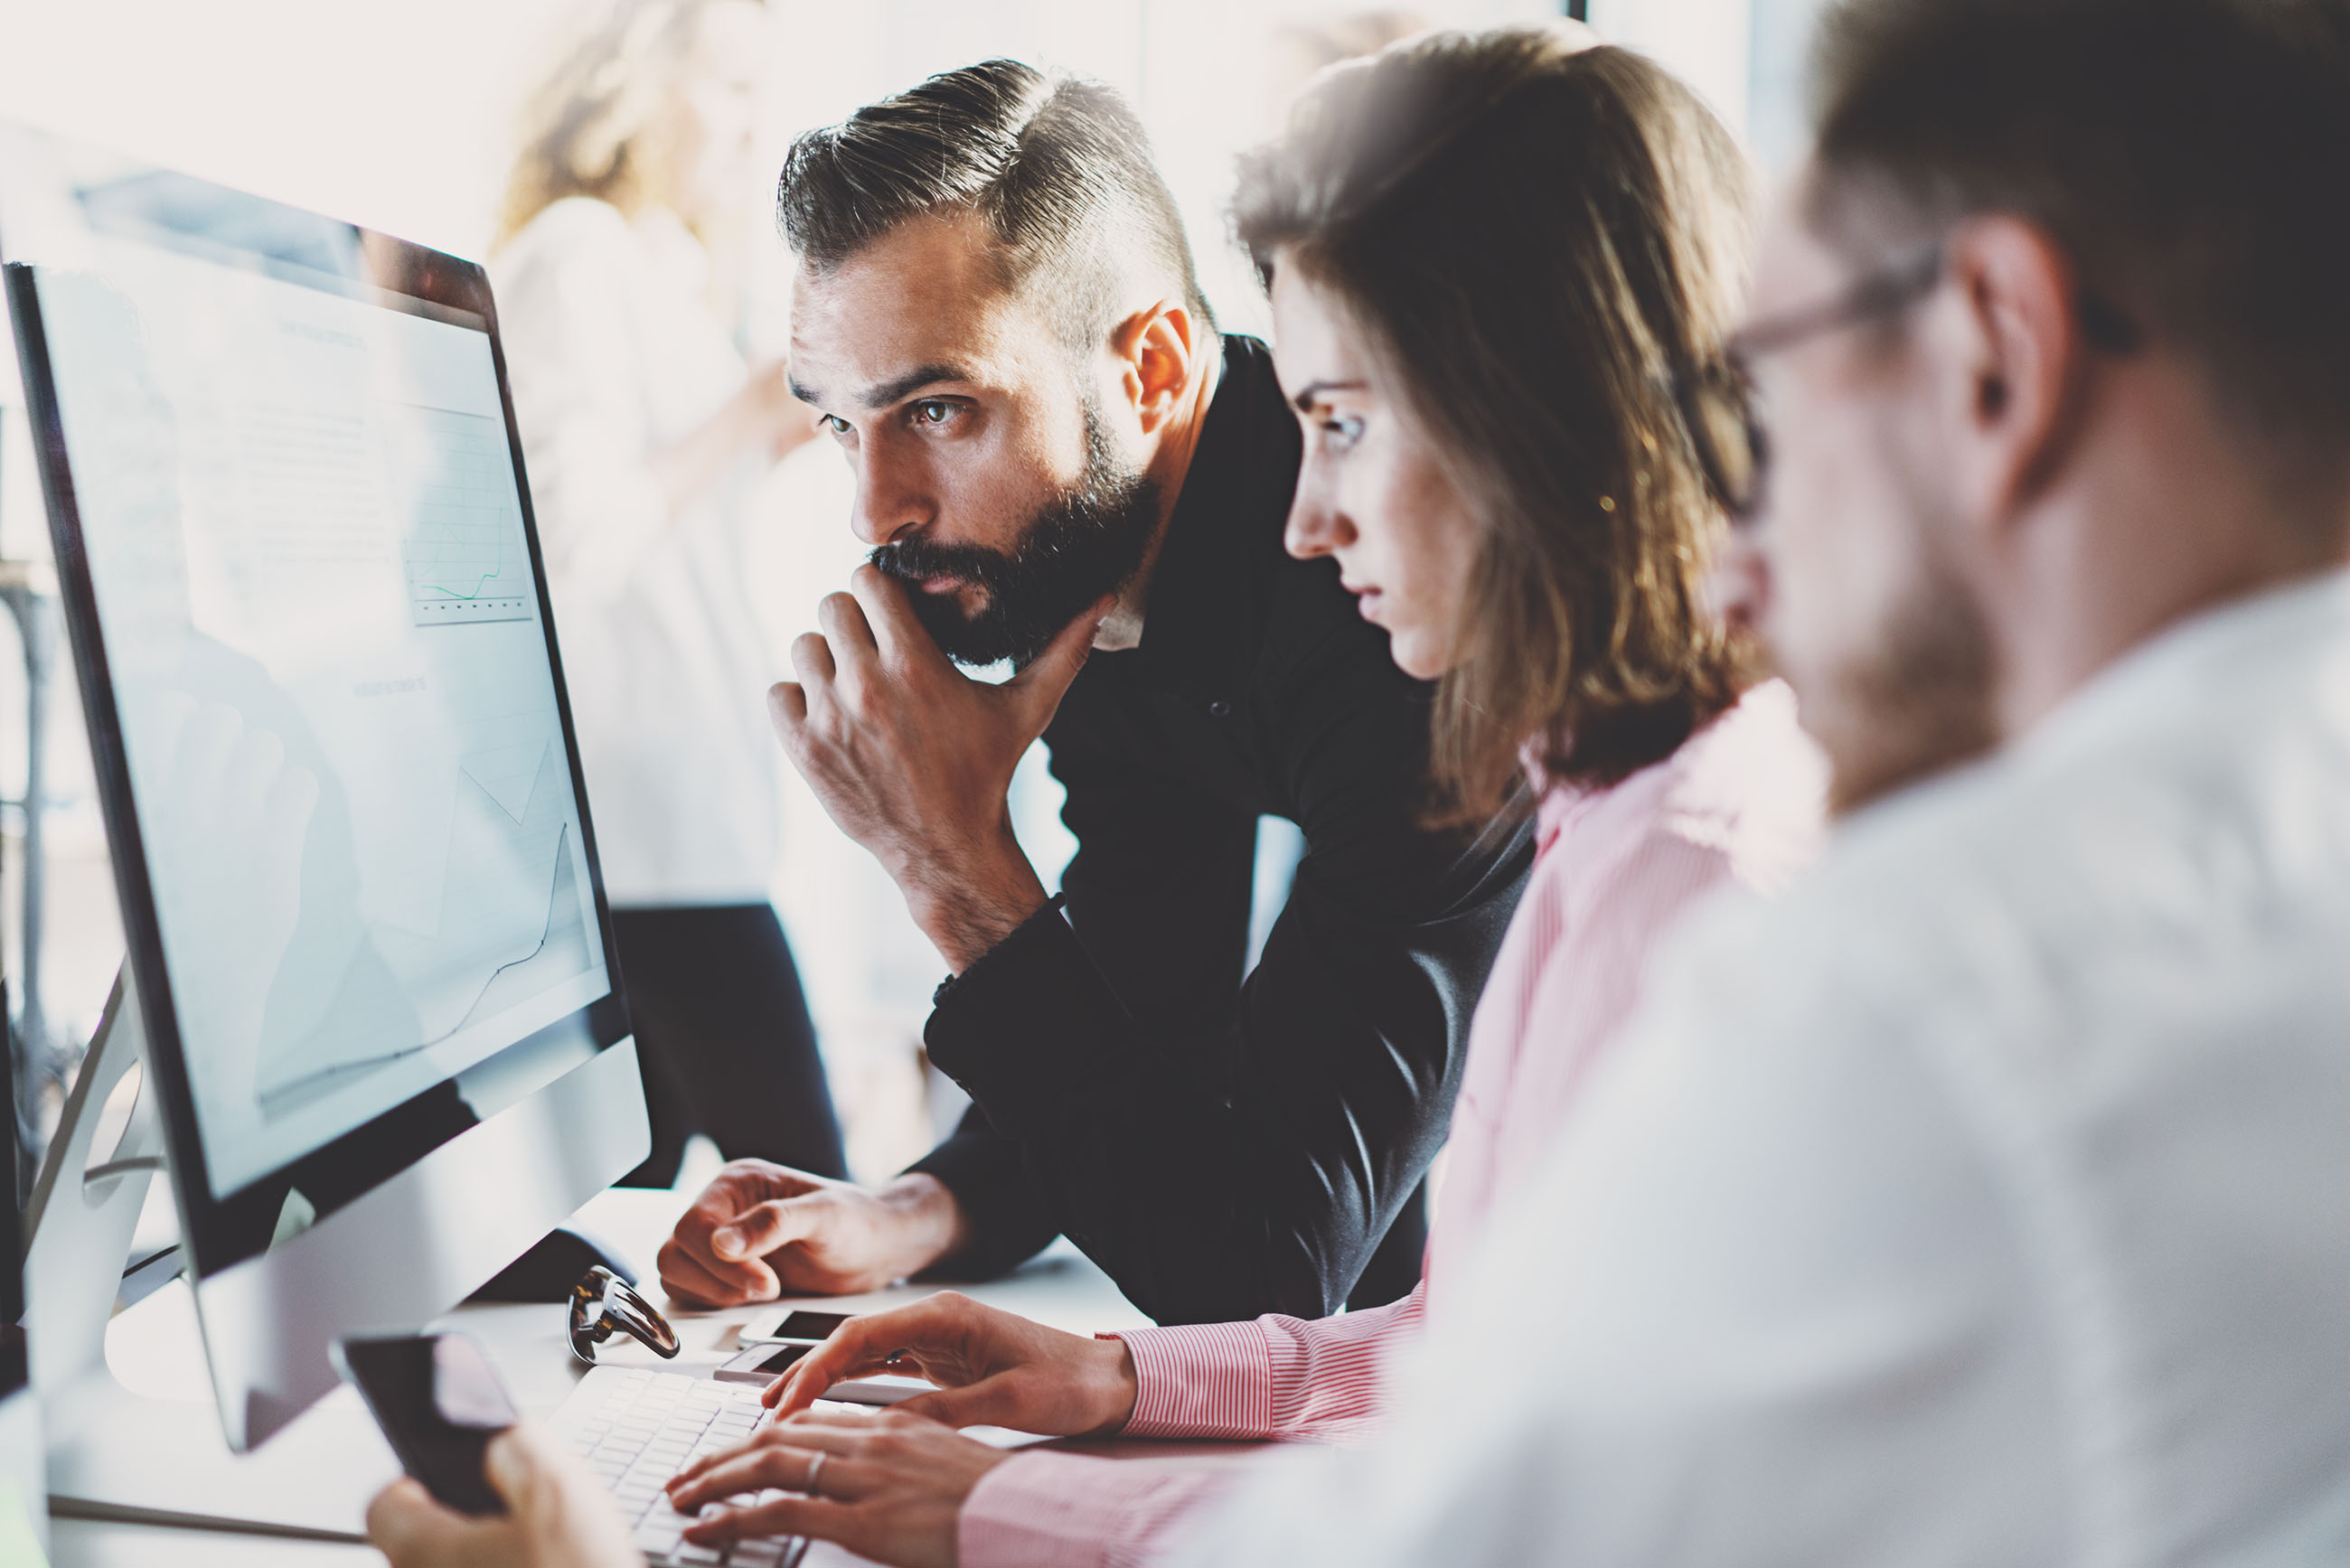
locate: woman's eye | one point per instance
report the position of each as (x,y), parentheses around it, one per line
(834,423)
(1340,432)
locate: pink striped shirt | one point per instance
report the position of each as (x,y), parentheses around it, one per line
(1741,801)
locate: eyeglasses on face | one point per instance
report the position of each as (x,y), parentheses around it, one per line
(1718,407)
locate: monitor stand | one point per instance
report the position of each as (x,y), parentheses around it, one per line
(119,1455)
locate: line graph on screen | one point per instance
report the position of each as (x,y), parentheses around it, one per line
(463,547)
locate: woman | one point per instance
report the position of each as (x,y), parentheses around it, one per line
(645,432)
(1488,255)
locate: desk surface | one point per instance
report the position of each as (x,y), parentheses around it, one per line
(155,1351)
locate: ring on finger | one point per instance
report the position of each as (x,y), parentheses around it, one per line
(816,1468)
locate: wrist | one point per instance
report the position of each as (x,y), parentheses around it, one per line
(966,905)
(1118,1384)
(927,1223)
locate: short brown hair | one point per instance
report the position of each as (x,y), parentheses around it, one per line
(1059,170)
(1538,238)
(2193,156)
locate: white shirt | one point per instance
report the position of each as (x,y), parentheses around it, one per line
(1986,1201)
(613,356)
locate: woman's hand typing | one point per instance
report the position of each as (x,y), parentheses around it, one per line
(993,1368)
(887,1486)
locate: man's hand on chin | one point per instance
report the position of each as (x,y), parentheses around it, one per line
(913,758)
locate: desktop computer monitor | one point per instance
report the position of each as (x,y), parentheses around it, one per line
(367,935)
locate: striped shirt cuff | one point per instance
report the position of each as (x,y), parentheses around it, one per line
(1208,1380)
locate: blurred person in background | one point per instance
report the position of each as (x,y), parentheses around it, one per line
(644,433)
(1301,50)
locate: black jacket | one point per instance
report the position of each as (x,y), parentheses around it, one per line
(1223,1149)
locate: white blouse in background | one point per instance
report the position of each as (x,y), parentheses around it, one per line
(613,355)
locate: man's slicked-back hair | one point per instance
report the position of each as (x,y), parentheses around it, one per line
(2193,156)
(1058,168)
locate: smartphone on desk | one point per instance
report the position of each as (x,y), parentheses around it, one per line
(439,1402)
(793,1327)
(761,1363)
(772,1348)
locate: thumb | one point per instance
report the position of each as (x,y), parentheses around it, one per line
(1040,687)
(560,1511)
(760,1230)
(408,1527)
(518,1472)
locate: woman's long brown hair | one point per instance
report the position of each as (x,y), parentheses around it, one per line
(1536,236)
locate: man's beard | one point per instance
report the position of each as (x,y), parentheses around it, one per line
(1087,542)
(1918,702)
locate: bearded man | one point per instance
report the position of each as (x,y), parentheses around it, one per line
(1061,464)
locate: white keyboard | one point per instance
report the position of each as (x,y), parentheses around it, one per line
(637,1428)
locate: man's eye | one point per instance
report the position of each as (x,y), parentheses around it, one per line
(933,412)
(834,423)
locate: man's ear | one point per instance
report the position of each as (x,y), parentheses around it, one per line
(2022,360)
(1157,349)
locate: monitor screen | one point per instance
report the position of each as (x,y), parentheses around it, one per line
(322,673)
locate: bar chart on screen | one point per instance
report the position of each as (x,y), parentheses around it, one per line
(463,549)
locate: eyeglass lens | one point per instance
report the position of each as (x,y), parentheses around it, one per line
(1724,426)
